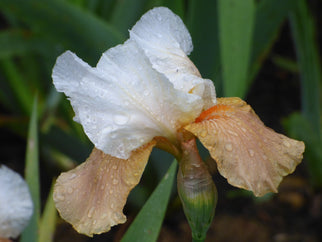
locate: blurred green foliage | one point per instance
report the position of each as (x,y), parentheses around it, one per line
(231,41)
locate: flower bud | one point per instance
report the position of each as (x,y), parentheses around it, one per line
(197,190)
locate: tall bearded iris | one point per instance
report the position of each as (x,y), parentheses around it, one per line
(147,93)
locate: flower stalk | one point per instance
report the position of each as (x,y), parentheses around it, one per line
(197,190)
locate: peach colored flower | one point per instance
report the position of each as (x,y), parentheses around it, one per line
(146,93)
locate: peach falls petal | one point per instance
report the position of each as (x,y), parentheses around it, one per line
(91,197)
(249,154)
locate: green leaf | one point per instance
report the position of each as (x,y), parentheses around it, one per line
(177,6)
(32,177)
(19,87)
(66,24)
(147,224)
(16,42)
(66,144)
(202,22)
(236,22)
(299,127)
(303,29)
(48,219)
(269,17)
(126,13)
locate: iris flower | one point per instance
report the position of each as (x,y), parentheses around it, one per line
(147,93)
(16,206)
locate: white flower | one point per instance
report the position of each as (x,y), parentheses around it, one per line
(16,206)
(145,88)
(145,93)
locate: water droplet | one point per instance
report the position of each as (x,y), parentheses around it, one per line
(286,144)
(115,181)
(203,133)
(70,190)
(114,167)
(229,147)
(120,119)
(102,187)
(104,215)
(232,133)
(111,191)
(72,176)
(112,205)
(244,130)
(251,152)
(60,197)
(90,212)
(146,92)
(94,222)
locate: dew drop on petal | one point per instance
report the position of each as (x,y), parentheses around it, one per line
(90,212)
(286,144)
(70,190)
(251,152)
(146,92)
(229,147)
(203,133)
(60,197)
(115,181)
(72,176)
(121,119)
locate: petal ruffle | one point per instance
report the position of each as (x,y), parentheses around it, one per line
(123,103)
(166,41)
(91,197)
(248,154)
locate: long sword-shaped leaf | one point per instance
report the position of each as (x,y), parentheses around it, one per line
(32,177)
(72,27)
(48,219)
(147,224)
(269,17)
(236,21)
(202,22)
(309,63)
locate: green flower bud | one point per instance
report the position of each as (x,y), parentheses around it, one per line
(197,190)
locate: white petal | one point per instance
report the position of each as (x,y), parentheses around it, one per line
(166,42)
(16,206)
(123,103)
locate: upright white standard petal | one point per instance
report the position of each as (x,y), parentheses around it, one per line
(16,206)
(123,103)
(166,42)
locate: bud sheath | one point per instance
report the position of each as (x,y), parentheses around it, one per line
(197,190)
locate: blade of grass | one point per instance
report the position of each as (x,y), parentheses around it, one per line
(236,22)
(32,177)
(303,29)
(66,24)
(66,143)
(16,42)
(147,224)
(299,127)
(18,85)
(126,13)
(48,219)
(269,17)
(202,22)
